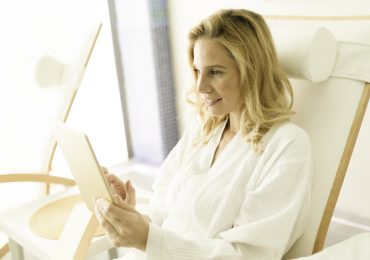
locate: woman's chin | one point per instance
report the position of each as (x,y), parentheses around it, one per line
(216,113)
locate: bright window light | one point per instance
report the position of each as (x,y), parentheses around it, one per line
(97,107)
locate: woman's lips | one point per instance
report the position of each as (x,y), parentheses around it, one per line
(211,102)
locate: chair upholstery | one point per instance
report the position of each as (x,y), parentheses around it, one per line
(355,247)
(331,112)
(40,85)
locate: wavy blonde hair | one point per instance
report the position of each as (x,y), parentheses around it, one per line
(266,91)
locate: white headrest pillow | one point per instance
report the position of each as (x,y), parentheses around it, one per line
(306,54)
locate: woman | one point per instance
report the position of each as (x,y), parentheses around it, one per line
(237,185)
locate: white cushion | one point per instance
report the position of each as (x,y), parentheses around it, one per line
(305,54)
(353,61)
(356,247)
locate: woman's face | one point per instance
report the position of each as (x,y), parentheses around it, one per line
(217,78)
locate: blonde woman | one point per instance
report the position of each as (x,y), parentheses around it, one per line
(237,185)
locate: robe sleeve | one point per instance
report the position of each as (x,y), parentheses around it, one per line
(273,207)
(156,209)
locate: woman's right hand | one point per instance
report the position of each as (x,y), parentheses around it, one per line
(124,189)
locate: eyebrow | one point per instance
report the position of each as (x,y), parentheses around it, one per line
(211,66)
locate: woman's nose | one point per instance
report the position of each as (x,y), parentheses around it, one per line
(203,85)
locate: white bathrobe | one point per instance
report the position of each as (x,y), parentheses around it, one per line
(244,206)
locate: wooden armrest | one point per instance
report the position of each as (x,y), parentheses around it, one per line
(36,177)
(4,250)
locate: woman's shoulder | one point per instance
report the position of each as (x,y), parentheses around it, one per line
(290,130)
(286,133)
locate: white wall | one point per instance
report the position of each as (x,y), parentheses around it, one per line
(185,14)
(97,108)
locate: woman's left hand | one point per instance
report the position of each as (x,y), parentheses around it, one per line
(123,224)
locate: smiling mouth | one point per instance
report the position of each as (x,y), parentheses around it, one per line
(211,102)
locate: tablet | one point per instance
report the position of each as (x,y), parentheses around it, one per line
(83,164)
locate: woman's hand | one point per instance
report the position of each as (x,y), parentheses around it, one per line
(123,225)
(124,189)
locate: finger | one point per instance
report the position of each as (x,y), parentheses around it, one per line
(117,184)
(114,213)
(113,179)
(118,200)
(104,169)
(119,216)
(106,207)
(131,194)
(108,227)
(107,212)
(123,204)
(130,187)
(120,209)
(98,215)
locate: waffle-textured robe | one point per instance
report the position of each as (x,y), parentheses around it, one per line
(245,206)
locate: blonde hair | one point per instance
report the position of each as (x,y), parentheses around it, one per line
(266,91)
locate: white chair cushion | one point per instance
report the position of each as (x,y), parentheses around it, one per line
(356,247)
(305,54)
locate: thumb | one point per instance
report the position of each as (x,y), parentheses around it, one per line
(130,187)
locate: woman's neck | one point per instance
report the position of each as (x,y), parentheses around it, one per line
(233,124)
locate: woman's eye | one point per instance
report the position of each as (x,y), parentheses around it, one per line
(215,72)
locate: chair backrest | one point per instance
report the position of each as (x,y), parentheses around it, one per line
(44,70)
(331,112)
(42,64)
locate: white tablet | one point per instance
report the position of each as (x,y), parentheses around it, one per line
(83,164)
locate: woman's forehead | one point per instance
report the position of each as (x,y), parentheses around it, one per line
(208,52)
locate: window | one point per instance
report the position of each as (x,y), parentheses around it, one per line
(140,30)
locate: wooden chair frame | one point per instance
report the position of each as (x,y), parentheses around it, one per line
(342,169)
(46,177)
